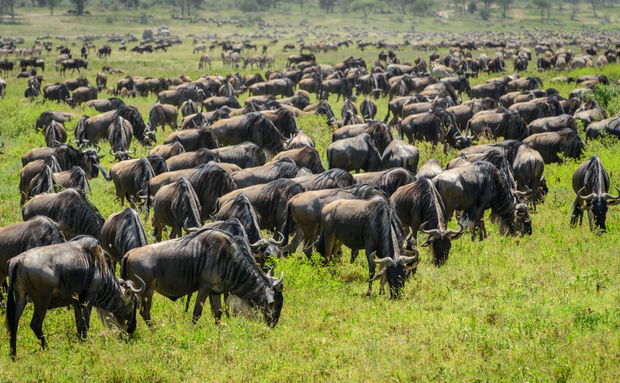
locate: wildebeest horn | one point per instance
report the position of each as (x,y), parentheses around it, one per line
(192,229)
(256,245)
(98,148)
(609,196)
(113,152)
(132,151)
(455,233)
(585,197)
(279,281)
(133,288)
(277,242)
(387,261)
(433,232)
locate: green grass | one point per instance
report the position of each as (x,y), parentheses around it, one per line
(541,308)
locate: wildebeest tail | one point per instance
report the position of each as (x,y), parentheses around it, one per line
(288,226)
(387,116)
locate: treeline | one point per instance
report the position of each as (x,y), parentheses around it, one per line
(484,8)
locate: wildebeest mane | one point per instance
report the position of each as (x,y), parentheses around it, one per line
(270,137)
(241,209)
(131,114)
(330,179)
(212,180)
(394,178)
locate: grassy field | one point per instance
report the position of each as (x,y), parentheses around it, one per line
(541,308)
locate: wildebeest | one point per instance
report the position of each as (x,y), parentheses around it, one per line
(194,139)
(303,213)
(122,232)
(92,129)
(75,215)
(211,262)
(74,178)
(283,86)
(551,144)
(106,104)
(299,140)
(378,131)
(131,179)
(591,184)
(419,207)
(252,127)
(400,154)
(19,237)
(240,208)
(268,199)
(329,179)
(193,159)
(175,205)
(282,168)
(430,169)
(73,64)
(162,115)
(305,157)
(283,119)
(54,133)
(83,94)
(370,225)
(120,136)
(56,92)
(245,155)
(476,187)
(355,153)
(75,273)
(435,126)
(529,167)
(495,123)
(387,180)
(168,150)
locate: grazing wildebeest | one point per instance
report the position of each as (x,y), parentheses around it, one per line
(92,129)
(74,214)
(495,123)
(370,225)
(167,150)
(305,157)
(354,153)
(282,168)
(430,169)
(241,209)
(419,207)
(329,179)
(387,180)
(175,205)
(378,131)
(122,232)
(194,139)
(400,154)
(120,136)
(591,184)
(299,140)
(217,263)
(19,237)
(106,104)
(551,144)
(162,115)
(303,213)
(252,127)
(75,273)
(73,64)
(75,178)
(476,187)
(191,159)
(131,179)
(435,126)
(54,133)
(56,92)
(268,199)
(529,167)
(245,155)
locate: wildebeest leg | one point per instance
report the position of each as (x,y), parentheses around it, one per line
(354,254)
(36,324)
(294,244)
(189,298)
(80,323)
(20,305)
(577,213)
(371,270)
(175,232)
(145,309)
(157,229)
(200,302)
(216,306)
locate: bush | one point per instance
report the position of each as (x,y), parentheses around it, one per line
(472,7)
(248,6)
(485,14)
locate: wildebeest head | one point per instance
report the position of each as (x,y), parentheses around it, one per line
(440,242)
(597,206)
(89,161)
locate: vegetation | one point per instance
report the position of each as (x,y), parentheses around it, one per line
(539,308)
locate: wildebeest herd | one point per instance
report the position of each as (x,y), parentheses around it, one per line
(240,184)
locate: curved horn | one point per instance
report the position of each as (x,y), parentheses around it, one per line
(98,148)
(279,242)
(610,196)
(387,261)
(433,232)
(256,245)
(133,288)
(456,232)
(585,197)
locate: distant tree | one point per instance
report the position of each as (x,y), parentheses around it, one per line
(80,5)
(543,5)
(51,4)
(327,5)
(365,6)
(574,10)
(505,4)
(472,7)
(595,4)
